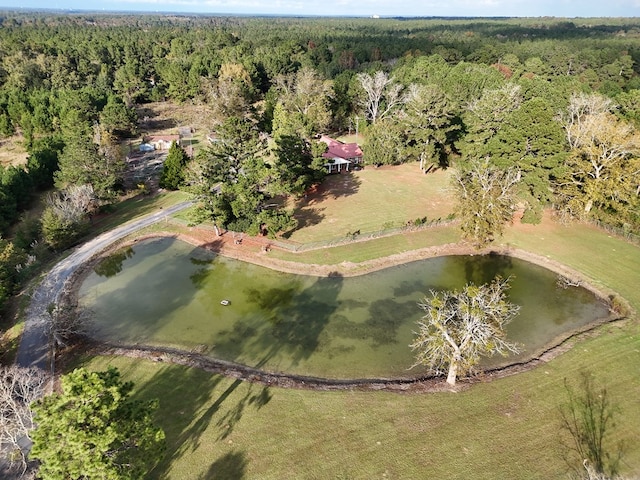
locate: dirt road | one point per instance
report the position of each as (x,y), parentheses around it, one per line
(34,346)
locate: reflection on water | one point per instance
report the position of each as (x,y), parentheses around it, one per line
(166,292)
(112,265)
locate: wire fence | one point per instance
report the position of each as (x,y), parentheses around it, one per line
(618,231)
(357,236)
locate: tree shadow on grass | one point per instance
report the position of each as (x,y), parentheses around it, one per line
(232,466)
(337,186)
(193,401)
(233,415)
(182,393)
(306,216)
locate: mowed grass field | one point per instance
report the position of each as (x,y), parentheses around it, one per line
(370,200)
(222,428)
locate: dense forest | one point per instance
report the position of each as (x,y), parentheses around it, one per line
(556,101)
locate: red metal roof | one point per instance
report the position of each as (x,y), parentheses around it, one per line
(340,150)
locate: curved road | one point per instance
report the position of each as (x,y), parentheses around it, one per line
(34,344)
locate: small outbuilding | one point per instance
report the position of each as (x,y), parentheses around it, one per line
(162,142)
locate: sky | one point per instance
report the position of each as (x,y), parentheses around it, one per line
(365,8)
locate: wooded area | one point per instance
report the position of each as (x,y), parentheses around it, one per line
(554,102)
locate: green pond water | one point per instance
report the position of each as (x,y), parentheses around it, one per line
(166,292)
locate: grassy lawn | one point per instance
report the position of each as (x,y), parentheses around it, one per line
(370,200)
(133,208)
(224,428)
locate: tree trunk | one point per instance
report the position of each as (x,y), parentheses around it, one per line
(453,372)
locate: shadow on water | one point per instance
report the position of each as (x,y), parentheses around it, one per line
(297,317)
(129,277)
(381,327)
(481,269)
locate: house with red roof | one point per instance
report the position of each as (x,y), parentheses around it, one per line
(340,156)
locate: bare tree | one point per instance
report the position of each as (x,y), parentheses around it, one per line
(73,203)
(382,94)
(458,327)
(66,319)
(18,388)
(581,107)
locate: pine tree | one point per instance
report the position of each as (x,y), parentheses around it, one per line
(93,429)
(172,176)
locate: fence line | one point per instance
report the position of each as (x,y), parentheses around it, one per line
(620,232)
(351,237)
(354,237)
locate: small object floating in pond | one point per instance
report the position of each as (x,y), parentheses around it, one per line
(224,302)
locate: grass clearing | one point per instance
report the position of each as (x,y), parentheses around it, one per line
(12,151)
(370,200)
(135,207)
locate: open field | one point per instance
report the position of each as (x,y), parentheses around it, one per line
(507,428)
(370,200)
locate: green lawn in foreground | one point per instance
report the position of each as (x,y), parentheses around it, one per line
(507,428)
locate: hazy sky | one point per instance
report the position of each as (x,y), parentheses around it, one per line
(463,8)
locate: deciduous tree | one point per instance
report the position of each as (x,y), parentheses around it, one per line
(460,326)
(588,417)
(601,177)
(66,215)
(305,100)
(487,200)
(19,387)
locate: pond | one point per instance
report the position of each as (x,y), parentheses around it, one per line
(169,293)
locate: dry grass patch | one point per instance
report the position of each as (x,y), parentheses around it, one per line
(12,151)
